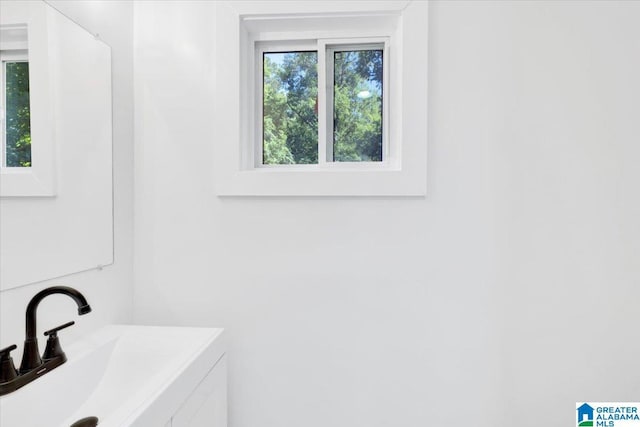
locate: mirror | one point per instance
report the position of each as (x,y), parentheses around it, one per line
(56,204)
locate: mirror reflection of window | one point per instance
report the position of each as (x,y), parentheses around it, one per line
(16,113)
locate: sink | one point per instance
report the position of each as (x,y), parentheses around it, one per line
(126,375)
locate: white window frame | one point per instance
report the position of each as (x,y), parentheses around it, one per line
(325,97)
(262,48)
(324,49)
(241,27)
(38,180)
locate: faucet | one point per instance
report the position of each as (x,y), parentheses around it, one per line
(33,366)
(31,356)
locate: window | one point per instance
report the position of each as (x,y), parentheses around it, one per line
(355,103)
(27,163)
(15,111)
(289,107)
(321,98)
(352,80)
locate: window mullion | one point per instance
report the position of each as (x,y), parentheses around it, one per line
(322,104)
(328,108)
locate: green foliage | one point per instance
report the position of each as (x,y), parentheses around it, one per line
(274,122)
(290,122)
(357,115)
(18,115)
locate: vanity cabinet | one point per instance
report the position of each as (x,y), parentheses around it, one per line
(206,406)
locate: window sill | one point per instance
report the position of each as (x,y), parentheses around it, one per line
(25,182)
(322,182)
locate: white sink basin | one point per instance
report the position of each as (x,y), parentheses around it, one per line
(124,375)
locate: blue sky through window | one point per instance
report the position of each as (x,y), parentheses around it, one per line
(276,58)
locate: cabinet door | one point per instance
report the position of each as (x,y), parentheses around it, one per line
(207,405)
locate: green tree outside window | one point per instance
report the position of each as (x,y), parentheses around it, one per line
(18,115)
(290,107)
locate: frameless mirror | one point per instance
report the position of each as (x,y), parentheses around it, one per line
(56,205)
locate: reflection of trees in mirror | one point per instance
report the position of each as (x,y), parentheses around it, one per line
(290,120)
(18,115)
(357,106)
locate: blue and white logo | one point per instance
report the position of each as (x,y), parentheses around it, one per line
(585,415)
(608,414)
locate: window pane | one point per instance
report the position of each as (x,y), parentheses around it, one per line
(357,106)
(18,123)
(290,108)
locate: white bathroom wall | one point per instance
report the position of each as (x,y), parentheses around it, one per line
(109,291)
(491,296)
(565,161)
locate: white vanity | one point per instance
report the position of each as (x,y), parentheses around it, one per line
(138,376)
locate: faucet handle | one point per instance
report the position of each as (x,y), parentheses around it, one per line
(5,351)
(7,369)
(53,348)
(54,332)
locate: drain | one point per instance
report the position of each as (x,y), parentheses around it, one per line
(86,422)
